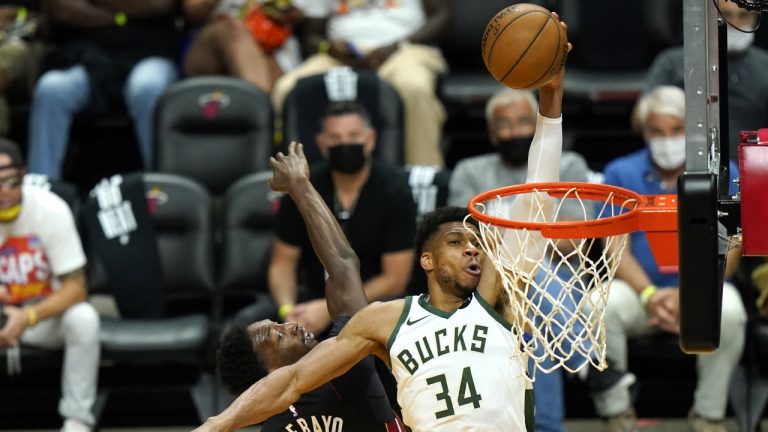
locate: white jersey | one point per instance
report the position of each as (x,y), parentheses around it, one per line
(458,371)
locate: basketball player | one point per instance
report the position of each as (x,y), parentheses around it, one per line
(354,401)
(451,352)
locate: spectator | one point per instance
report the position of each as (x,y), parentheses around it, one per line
(395,38)
(20,55)
(45,295)
(252,42)
(642,300)
(104,48)
(747,80)
(511,119)
(374,206)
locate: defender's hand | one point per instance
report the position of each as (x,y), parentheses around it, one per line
(289,171)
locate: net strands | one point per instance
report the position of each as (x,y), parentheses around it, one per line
(556,289)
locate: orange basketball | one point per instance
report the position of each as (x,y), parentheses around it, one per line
(523,46)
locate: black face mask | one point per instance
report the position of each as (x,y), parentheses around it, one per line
(514,151)
(346,158)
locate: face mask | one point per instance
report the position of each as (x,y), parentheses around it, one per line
(346,158)
(514,151)
(738,41)
(668,153)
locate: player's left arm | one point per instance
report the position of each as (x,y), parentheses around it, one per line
(343,289)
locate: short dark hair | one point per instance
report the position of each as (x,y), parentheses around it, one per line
(430,223)
(335,109)
(12,149)
(237,365)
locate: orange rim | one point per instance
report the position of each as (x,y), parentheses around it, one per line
(651,213)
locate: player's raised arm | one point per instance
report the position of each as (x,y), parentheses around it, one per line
(366,333)
(343,288)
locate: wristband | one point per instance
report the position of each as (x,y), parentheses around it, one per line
(31,316)
(647,293)
(324,47)
(121,19)
(284,310)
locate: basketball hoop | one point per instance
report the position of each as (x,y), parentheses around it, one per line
(556,282)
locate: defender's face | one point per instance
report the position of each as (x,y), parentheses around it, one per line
(455,258)
(280,344)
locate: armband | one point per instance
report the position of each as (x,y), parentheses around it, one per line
(284,310)
(324,47)
(121,19)
(647,293)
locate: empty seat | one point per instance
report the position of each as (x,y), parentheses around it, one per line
(213,129)
(249,209)
(152,234)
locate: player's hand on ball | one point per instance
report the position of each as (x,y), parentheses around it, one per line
(290,170)
(557,80)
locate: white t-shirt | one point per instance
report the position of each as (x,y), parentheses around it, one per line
(41,243)
(369,24)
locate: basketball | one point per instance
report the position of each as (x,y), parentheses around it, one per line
(523,46)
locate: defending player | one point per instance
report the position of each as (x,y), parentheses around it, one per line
(451,352)
(354,401)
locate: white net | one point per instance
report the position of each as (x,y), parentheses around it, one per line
(556,289)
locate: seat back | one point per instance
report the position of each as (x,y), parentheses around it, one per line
(305,104)
(121,238)
(180,209)
(213,129)
(429,186)
(248,215)
(153,238)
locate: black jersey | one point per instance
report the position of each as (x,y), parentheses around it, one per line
(355,401)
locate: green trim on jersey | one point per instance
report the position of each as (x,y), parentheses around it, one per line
(529,410)
(400,321)
(492,312)
(433,310)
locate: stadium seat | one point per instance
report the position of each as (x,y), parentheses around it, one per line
(249,210)
(429,186)
(157,257)
(306,103)
(213,129)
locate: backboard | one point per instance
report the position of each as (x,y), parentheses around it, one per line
(705,180)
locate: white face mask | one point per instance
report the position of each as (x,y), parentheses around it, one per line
(738,41)
(668,153)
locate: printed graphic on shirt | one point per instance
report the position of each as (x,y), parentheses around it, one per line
(24,268)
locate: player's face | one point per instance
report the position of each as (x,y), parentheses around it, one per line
(280,344)
(10,184)
(456,258)
(736,16)
(663,126)
(513,120)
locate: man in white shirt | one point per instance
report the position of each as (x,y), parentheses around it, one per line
(42,284)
